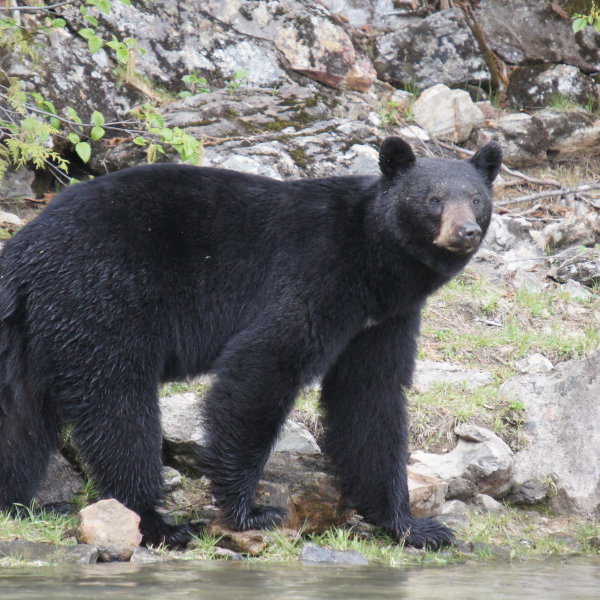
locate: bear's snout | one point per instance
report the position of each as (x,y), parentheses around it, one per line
(458,230)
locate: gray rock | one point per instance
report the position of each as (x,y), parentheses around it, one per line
(535,86)
(429,373)
(172,479)
(530,32)
(17,184)
(294,437)
(453,507)
(61,483)
(561,413)
(438,49)
(536,363)
(43,553)
(144,556)
(485,503)
(317,554)
(579,265)
(480,456)
(576,290)
(461,489)
(529,493)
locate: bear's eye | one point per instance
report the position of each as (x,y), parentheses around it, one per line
(435,200)
(476,200)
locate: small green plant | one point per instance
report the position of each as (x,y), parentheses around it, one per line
(563,103)
(240,78)
(581,21)
(196,84)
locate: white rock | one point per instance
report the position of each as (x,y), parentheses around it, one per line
(536,363)
(296,438)
(429,372)
(447,114)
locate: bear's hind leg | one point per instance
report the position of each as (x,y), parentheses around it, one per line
(28,436)
(118,432)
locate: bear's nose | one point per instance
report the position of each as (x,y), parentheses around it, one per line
(470,232)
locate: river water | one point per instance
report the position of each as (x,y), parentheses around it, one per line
(572,579)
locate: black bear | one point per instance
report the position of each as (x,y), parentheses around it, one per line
(165,271)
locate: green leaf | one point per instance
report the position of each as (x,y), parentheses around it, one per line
(97,118)
(185,94)
(597,24)
(55,122)
(91,19)
(86,33)
(95,44)
(126,2)
(73,138)
(97,132)
(579,24)
(84,151)
(58,22)
(140,141)
(72,114)
(122,55)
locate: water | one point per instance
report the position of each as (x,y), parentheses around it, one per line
(572,579)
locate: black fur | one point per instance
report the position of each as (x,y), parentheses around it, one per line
(161,272)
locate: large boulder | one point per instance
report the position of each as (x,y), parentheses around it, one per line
(480,457)
(438,49)
(561,417)
(534,32)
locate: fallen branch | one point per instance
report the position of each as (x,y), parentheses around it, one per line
(550,193)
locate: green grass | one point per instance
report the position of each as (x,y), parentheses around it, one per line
(37,526)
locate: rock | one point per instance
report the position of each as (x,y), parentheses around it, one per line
(311,41)
(437,49)
(594,542)
(561,412)
(172,479)
(43,553)
(582,265)
(61,483)
(427,494)
(453,507)
(570,134)
(530,32)
(485,503)
(536,363)
(317,554)
(529,493)
(145,556)
(447,114)
(577,229)
(16,185)
(537,86)
(480,456)
(184,434)
(456,521)
(461,489)
(429,373)
(523,138)
(110,527)
(296,438)
(576,290)
(9,218)
(304,485)
(252,542)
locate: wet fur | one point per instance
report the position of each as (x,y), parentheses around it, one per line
(162,272)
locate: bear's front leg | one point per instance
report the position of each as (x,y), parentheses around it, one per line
(367,428)
(258,376)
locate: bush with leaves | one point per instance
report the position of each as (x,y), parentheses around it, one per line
(31,128)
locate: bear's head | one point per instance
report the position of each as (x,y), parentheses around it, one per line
(436,205)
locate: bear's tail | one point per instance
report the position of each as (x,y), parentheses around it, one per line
(27,435)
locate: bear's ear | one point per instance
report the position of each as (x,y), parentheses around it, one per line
(488,160)
(395,156)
